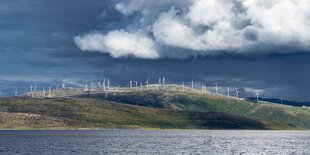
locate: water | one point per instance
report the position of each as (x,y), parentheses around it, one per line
(155,142)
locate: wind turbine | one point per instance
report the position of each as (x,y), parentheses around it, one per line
(136,84)
(43,92)
(164,80)
(35,88)
(86,87)
(49,92)
(147,83)
(192,85)
(257,95)
(16,92)
(159,81)
(228,95)
(31,90)
(63,85)
(216,88)
(141,86)
(108,83)
(202,88)
(183,85)
(236,92)
(130,84)
(281,99)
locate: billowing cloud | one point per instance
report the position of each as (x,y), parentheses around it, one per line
(206,27)
(119,44)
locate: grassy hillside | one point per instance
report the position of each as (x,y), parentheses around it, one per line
(194,101)
(159,107)
(296,116)
(30,113)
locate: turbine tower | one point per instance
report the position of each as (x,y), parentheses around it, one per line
(147,83)
(257,95)
(108,83)
(31,90)
(49,92)
(204,88)
(183,86)
(228,95)
(16,92)
(281,99)
(43,92)
(141,86)
(130,84)
(159,81)
(86,87)
(63,85)
(236,92)
(192,85)
(91,87)
(136,84)
(164,81)
(216,88)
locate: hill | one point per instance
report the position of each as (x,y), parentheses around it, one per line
(31,113)
(176,99)
(157,107)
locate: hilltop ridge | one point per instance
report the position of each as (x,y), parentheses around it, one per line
(171,101)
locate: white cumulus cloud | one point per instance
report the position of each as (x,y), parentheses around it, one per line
(206,27)
(119,44)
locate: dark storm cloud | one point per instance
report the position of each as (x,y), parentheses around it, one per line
(37,46)
(275,75)
(32,32)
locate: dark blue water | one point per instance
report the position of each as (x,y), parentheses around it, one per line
(155,142)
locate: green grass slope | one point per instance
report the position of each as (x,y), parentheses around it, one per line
(176,99)
(31,113)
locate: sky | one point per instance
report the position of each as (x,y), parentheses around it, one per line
(252,45)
